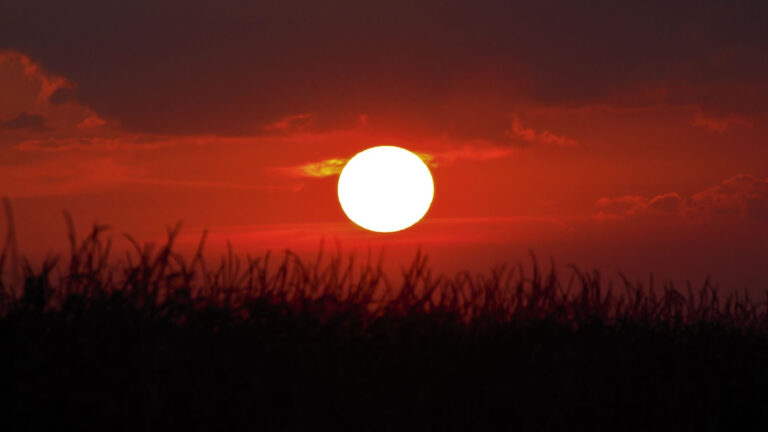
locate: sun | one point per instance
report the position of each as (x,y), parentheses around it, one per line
(385,189)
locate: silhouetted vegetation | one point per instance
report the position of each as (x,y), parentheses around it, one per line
(160,342)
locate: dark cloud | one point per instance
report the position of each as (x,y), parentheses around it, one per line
(63,95)
(233,66)
(26,122)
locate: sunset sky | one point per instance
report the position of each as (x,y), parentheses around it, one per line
(622,137)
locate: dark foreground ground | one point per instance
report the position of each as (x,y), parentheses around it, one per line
(159,343)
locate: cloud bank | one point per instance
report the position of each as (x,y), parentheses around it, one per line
(740,197)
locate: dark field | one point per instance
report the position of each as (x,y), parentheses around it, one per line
(166,343)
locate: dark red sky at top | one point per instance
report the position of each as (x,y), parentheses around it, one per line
(621,136)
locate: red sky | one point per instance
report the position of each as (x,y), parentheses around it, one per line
(625,137)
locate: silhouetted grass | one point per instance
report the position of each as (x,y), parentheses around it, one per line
(161,342)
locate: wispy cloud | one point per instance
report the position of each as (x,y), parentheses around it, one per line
(292,123)
(62,176)
(48,83)
(77,173)
(27,110)
(530,135)
(468,152)
(125,142)
(91,122)
(323,168)
(334,166)
(742,196)
(68,144)
(209,184)
(719,124)
(25,121)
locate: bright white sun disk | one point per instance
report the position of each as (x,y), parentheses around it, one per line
(385,189)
